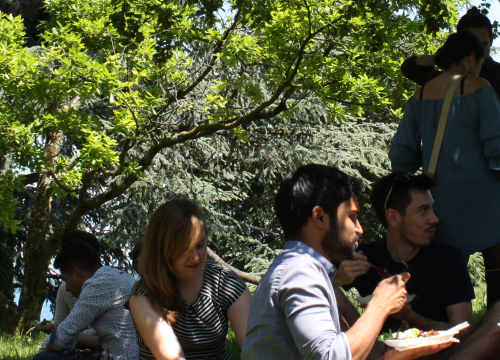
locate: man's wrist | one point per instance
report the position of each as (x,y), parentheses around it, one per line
(378,307)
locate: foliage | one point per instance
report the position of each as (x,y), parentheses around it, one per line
(124,105)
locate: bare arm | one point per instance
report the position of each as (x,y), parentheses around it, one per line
(348,315)
(388,297)
(157,333)
(238,315)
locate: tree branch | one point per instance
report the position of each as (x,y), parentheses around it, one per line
(251,278)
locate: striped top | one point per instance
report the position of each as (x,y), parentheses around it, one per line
(202,329)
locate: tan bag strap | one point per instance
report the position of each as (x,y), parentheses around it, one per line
(438,141)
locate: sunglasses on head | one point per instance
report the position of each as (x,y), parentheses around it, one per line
(401,177)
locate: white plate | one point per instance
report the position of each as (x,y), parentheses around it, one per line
(366,299)
(405,344)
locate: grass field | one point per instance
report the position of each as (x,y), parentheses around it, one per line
(26,347)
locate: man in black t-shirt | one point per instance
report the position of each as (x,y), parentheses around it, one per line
(439,276)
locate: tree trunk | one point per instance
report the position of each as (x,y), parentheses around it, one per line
(37,250)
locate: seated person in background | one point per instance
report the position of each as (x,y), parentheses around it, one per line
(65,301)
(182,303)
(102,292)
(294,310)
(439,275)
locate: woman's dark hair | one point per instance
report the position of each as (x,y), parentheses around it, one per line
(171,231)
(458,46)
(312,185)
(474,19)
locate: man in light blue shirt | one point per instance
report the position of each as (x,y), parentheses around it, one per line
(294,312)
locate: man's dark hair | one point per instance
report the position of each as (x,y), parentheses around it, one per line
(394,192)
(312,185)
(474,19)
(83,236)
(458,46)
(78,254)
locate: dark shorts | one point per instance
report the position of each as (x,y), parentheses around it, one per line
(53,355)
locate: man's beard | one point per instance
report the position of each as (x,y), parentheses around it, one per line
(413,238)
(333,245)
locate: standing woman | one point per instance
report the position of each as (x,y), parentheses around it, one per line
(182,303)
(468,196)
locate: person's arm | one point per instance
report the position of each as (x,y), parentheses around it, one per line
(484,342)
(156,332)
(63,306)
(419,69)
(238,315)
(348,317)
(406,145)
(489,115)
(349,270)
(389,297)
(457,314)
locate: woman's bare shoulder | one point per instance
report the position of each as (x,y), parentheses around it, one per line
(473,83)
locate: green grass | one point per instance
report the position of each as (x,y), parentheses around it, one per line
(26,347)
(22,347)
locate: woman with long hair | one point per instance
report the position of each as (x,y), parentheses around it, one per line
(468,168)
(182,303)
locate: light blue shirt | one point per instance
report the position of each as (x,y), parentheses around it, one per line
(294,312)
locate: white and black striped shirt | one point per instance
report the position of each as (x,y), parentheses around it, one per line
(202,328)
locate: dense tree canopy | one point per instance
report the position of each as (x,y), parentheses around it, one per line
(122,105)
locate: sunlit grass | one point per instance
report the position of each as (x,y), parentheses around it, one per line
(23,347)
(26,347)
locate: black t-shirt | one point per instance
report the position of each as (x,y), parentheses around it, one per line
(439,278)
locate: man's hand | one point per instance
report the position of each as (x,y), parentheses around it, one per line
(50,329)
(391,293)
(351,269)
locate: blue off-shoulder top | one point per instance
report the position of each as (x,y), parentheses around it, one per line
(467,199)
